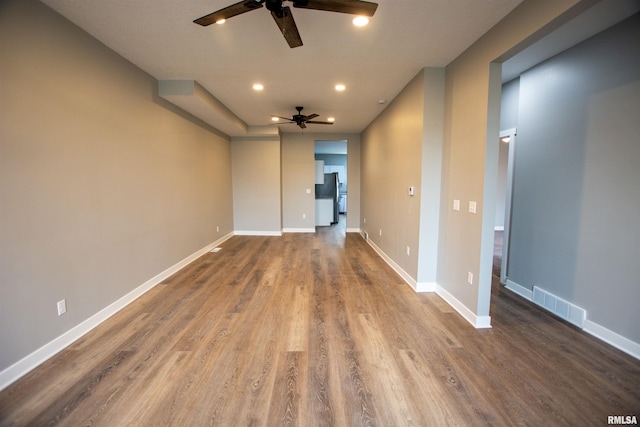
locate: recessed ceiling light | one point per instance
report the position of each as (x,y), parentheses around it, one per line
(360,21)
(382,101)
(331,119)
(505,139)
(258,86)
(340,87)
(221,21)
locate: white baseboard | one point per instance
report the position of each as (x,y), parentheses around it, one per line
(477,321)
(520,290)
(498,228)
(298,230)
(612,338)
(257,233)
(616,340)
(426,287)
(405,276)
(33,360)
(353,230)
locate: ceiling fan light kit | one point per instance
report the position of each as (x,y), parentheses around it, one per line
(282,14)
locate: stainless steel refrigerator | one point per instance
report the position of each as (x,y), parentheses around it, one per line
(330,190)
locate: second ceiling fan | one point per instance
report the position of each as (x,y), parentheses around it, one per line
(302,120)
(282,14)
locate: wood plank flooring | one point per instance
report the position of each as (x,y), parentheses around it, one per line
(316,330)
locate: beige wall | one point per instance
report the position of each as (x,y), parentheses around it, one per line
(256,170)
(391,162)
(298,206)
(102,185)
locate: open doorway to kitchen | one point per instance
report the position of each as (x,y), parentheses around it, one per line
(331,183)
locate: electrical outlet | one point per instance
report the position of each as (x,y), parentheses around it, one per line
(470,277)
(62,307)
(304,216)
(408,250)
(364,220)
(217,228)
(381,232)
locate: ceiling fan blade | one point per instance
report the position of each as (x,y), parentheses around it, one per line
(302,125)
(284,20)
(310,116)
(283,118)
(354,7)
(279,123)
(229,11)
(319,123)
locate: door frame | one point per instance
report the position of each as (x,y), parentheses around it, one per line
(511,133)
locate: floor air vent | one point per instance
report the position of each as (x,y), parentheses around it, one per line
(561,308)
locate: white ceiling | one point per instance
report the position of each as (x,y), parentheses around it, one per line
(374,62)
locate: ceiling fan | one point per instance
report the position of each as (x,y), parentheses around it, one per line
(282,14)
(302,120)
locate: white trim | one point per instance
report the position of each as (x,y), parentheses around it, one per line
(520,290)
(407,278)
(612,338)
(426,287)
(498,228)
(353,230)
(512,133)
(257,233)
(478,322)
(616,340)
(298,230)
(33,360)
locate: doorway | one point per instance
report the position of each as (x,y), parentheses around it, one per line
(504,193)
(333,155)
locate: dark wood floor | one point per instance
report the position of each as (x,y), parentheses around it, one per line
(313,330)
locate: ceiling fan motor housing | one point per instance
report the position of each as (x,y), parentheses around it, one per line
(274,5)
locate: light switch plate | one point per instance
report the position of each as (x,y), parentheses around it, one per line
(472,207)
(456,205)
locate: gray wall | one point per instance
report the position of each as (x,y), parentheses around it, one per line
(509,104)
(102,185)
(576,200)
(298,176)
(392,160)
(471,150)
(257,202)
